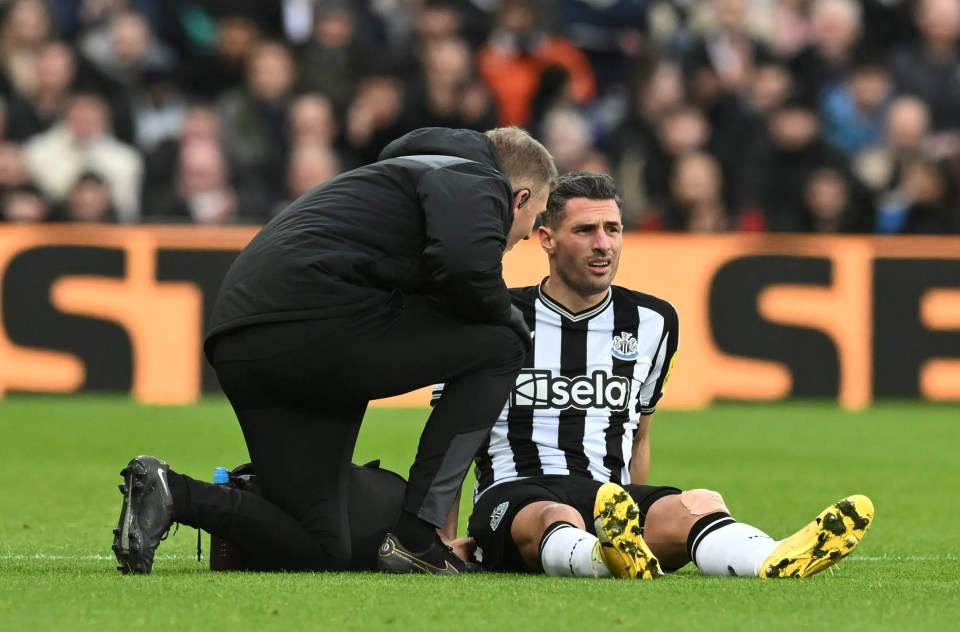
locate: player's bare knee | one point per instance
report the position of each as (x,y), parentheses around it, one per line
(530,522)
(558,512)
(701,502)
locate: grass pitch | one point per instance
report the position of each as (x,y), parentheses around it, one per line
(777,467)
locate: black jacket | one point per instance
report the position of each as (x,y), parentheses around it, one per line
(431,217)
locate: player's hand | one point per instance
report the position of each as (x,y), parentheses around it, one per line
(463,548)
(520,327)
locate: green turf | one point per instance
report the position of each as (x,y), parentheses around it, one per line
(777,466)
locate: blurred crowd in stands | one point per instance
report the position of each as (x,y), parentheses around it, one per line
(832,116)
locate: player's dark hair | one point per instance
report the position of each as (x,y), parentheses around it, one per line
(593,186)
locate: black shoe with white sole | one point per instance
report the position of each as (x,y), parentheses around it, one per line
(146,516)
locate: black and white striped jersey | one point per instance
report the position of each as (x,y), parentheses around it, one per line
(578,400)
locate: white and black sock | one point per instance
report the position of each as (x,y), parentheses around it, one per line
(719,545)
(567,551)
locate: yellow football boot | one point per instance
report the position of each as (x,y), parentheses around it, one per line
(828,539)
(617,523)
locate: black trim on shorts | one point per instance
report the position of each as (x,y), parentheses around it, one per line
(646,500)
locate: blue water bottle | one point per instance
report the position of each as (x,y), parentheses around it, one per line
(221,476)
(224,556)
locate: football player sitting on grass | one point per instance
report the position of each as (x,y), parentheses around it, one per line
(562,478)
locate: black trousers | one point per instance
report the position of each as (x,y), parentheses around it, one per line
(300,390)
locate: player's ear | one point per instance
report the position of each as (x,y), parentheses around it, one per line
(545,235)
(520,198)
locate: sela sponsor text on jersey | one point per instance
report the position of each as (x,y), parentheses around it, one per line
(540,389)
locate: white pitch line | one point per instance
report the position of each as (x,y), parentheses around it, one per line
(102,557)
(74,558)
(904,558)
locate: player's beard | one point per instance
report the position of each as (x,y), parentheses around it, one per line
(576,275)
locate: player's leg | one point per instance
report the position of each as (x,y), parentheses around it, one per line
(673,519)
(579,526)
(697,525)
(552,538)
(523,526)
(618,522)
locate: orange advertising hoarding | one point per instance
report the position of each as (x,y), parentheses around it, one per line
(762,318)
